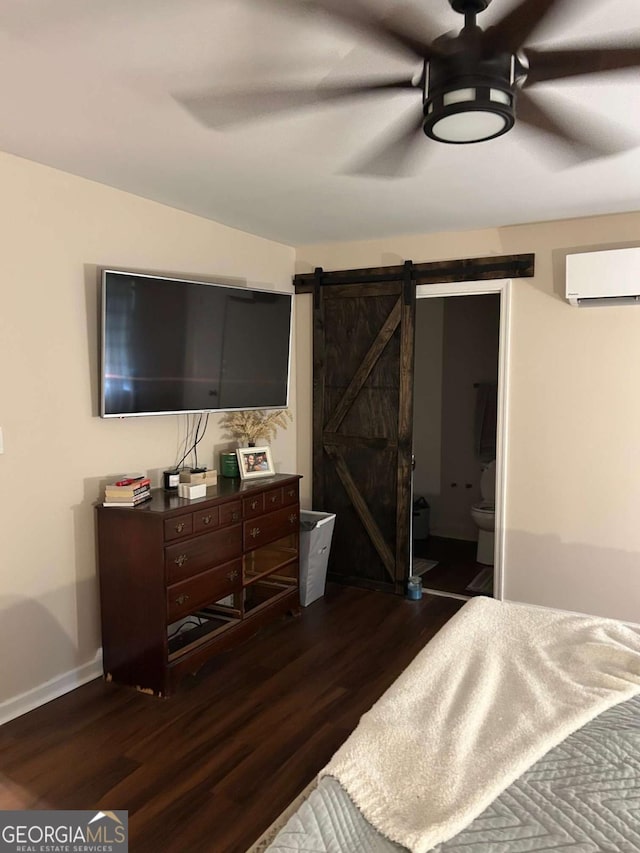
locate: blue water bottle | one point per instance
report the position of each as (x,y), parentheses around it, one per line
(414,587)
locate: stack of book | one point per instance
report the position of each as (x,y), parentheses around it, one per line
(130,491)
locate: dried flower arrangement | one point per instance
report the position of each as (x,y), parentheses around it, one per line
(256,425)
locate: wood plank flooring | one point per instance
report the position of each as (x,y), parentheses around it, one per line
(211,768)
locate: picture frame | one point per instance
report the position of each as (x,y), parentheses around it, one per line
(255,462)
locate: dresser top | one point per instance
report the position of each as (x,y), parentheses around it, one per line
(226,489)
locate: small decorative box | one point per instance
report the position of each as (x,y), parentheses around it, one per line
(191,491)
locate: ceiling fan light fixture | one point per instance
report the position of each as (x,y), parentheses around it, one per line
(469,114)
(458,96)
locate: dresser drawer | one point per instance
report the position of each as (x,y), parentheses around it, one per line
(252,506)
(189,595)
(176,528)
(185,559)
(206,519)
(272,500)
(270,527)
(290,494)
(230,513)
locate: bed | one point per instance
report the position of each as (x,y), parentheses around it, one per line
(516,729)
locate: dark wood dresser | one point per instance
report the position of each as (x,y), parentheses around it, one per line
(181,580)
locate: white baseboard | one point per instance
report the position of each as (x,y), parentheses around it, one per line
(58,686)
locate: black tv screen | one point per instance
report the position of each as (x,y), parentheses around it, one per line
(172,346)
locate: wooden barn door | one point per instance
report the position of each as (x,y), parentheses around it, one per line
(363,415)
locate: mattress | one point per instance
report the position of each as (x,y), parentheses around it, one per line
(583,796)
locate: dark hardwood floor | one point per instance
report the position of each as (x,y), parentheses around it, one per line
(456,567)
(211,768)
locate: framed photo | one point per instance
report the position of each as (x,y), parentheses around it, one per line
(255,462)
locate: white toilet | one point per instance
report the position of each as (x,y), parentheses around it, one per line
(484,515)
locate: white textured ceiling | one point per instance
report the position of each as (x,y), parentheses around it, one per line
(88,86)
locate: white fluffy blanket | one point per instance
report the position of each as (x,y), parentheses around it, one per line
(495,689)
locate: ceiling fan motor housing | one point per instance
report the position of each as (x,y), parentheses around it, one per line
(468,99)
(465,6)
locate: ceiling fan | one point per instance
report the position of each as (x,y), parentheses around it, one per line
(473,86)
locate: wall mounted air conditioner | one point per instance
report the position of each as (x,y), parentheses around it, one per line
(604,278)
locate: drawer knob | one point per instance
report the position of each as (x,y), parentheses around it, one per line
(293,518)
(274,498)
(233,575)
(182,598)
(207,519)
(235,516)
(291,493)
(254,504)
(255,531)
(180,560)
(180,527)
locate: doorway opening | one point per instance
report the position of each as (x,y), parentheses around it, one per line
(459,438)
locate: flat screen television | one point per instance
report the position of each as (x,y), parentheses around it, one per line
(172,346)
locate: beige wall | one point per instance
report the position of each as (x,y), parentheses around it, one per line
(56,230)
(573,476)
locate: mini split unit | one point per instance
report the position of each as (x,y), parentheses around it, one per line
(604,278)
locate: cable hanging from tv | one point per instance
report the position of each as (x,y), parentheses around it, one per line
(192,439)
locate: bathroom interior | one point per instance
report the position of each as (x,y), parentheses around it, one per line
(455,419)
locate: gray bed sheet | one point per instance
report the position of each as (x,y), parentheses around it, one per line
(583,796)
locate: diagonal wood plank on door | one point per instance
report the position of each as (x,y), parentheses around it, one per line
(360,376)
(360,506)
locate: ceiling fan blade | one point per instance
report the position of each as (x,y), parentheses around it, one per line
(581,138)
(401,27)
(511,31)
(392,158)
(572,62)
(223,109)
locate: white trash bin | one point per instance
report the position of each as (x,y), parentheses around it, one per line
(316,530)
